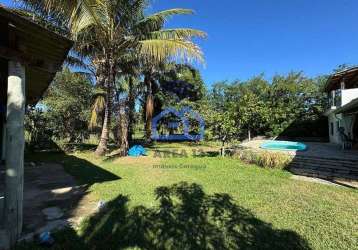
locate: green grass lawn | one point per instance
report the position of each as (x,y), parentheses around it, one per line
(205,203)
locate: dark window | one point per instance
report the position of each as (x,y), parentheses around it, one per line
(332,128)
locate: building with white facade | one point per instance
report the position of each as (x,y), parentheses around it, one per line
(342,111)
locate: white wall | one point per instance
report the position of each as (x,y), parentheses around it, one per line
(348,95)
(344,121)
(333,137)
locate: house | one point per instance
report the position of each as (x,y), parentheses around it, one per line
(181,119)
(342,112)
(30,56)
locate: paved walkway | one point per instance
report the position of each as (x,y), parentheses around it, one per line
(52,199)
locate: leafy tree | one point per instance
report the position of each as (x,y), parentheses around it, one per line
(181,81)
(251,114)
(38,128)
(262,108)
(223,128)
(67,105)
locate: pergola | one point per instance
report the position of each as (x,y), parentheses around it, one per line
(30,56)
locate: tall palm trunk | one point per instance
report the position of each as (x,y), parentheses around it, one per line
(102,147)
(149,107)
(131,109)
(103,143)
(98,111)
(123,131)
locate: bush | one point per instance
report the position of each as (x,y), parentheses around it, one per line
(265,159)
(38,133)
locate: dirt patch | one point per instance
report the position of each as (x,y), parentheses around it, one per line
(48,187)
(143,160)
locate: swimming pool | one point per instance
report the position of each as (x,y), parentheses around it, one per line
(284,145)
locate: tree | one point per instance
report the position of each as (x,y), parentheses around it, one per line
(124,28)
(223,128)
(67,106)
(107,30)
(251,114)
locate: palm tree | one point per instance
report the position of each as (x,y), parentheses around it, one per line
(175,46)
(106,30)
(123,29)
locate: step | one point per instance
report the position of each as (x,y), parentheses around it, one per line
(315,165)
(321,166)
(325,168)
(323,174)
(346,162)
(349,175)
(353,165)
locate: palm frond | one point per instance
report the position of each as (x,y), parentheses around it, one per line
(156,21)
(177,34)
(161,49)
(77,14)
(83,15)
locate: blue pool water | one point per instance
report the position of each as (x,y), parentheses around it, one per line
(284,145)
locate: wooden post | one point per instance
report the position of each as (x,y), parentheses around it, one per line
(15,145)
(343,84)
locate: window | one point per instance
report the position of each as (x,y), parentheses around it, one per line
(332,128)
(338,126)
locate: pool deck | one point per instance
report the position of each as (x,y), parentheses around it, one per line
(315,149)
(325,161)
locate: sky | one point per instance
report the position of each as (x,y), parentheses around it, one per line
(246,38)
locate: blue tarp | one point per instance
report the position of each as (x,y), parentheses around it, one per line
(136,151)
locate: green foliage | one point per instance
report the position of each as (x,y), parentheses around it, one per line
(179,82)
(67,106)
(251,112)
(223,126)
(271,108)
(38,132)
(265,159)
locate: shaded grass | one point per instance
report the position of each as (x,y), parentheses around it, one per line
(324,216)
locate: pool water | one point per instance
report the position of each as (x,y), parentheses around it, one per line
(284,145)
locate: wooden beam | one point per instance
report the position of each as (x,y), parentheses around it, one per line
(15,145)
(40,64)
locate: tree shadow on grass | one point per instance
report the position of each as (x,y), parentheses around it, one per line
(84,171)
(186,218)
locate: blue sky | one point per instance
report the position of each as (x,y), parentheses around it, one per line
(250,37)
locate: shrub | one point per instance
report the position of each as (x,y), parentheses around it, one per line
(38,133)
(265,159)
